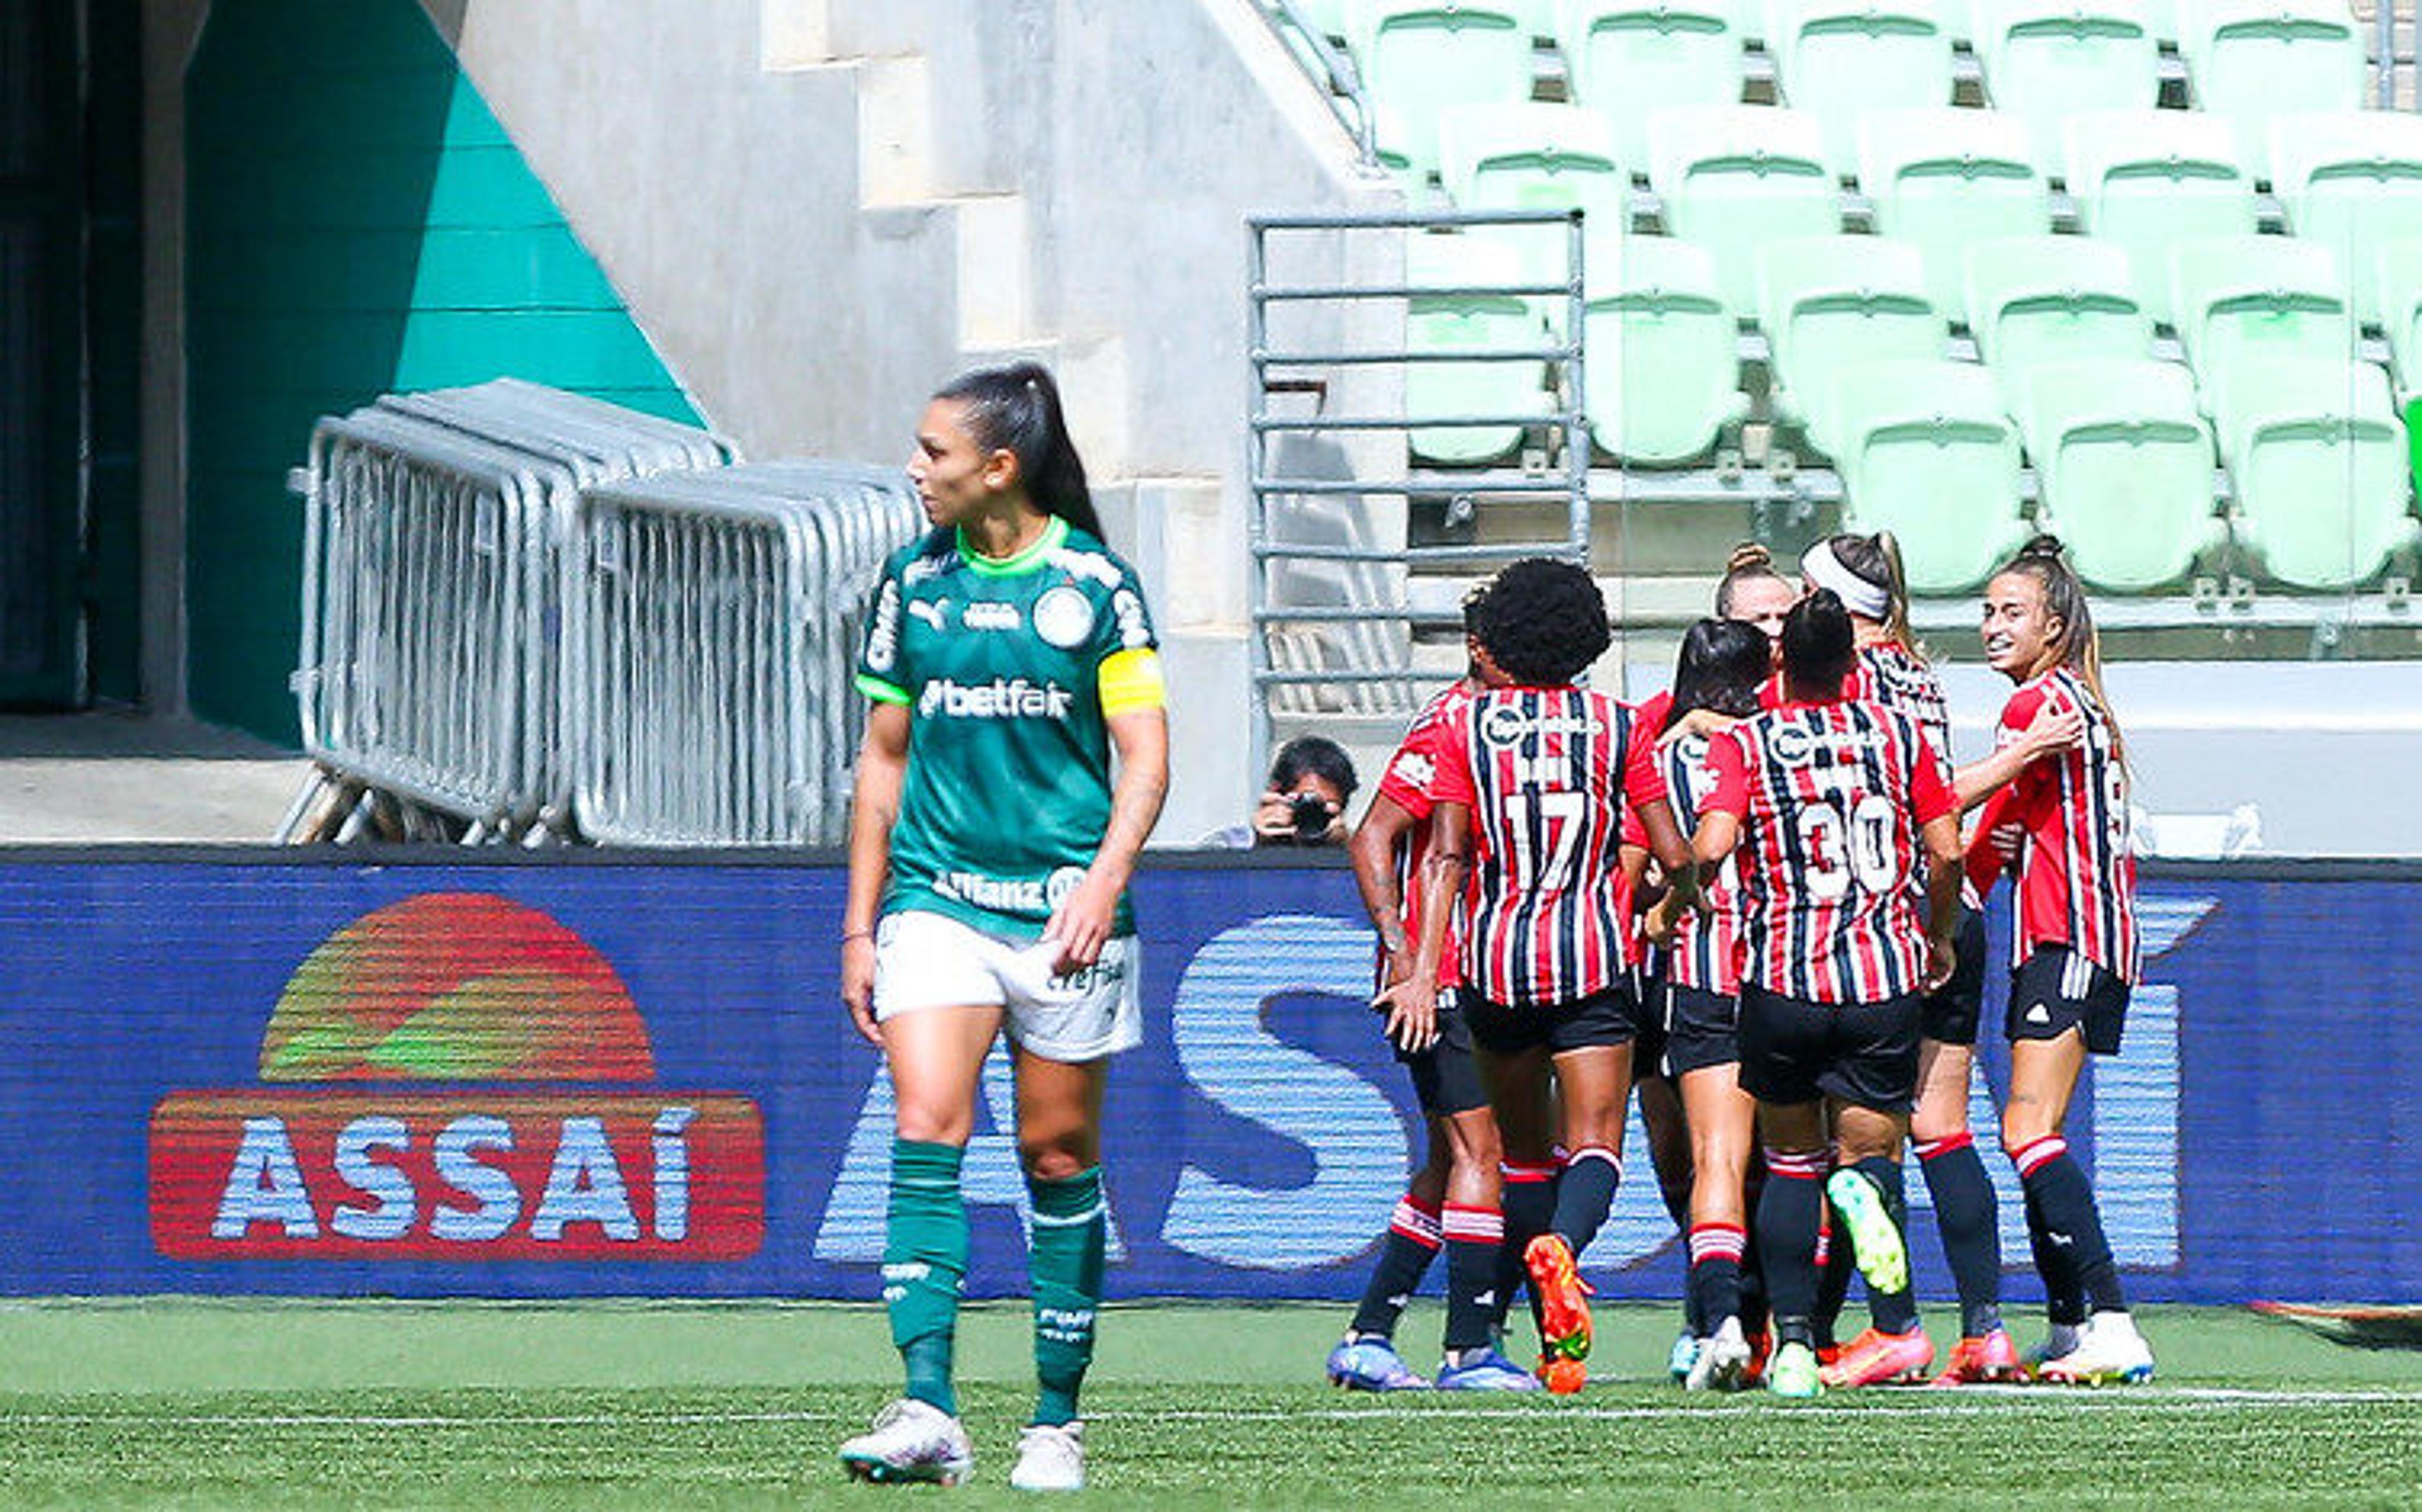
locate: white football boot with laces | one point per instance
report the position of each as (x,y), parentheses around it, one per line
(1050,1458)
(910,1441)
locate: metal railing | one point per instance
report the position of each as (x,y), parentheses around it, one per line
(1333,70)
(715,636)
(1324,588)
(430,672)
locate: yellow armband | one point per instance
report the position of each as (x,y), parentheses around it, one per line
(1131,680)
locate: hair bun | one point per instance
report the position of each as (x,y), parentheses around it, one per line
(2043,545)
(1749,556)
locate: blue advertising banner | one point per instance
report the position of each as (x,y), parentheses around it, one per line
(259,1073)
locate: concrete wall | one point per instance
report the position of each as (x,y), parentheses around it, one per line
(819,210)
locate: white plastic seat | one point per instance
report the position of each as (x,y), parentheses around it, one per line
(2041,299)
(1629,59)
(2123,467)
(2351,180)
(2046,60)
(1944,180)
(1475,322)
(1836,60)
(1931,456)
(2253,60)
(2244,303)
(2147,181)
(2318,459)
(1422,57)
(1734,178)
(1533,156)
(1664,373)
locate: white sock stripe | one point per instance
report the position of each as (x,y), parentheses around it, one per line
(1782,1163)
(1714,1243)
(1414,1222)
(1068,1219)
(1594,1152)
(1474,1223)
(2031,1156)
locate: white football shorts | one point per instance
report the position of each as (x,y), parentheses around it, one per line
(931,961)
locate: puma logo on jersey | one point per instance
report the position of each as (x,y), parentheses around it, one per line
(930,612)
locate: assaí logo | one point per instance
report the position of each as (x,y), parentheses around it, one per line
(457,1077)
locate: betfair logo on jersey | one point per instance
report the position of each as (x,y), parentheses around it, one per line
(1001,698)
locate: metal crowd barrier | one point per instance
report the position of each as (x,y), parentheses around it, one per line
(438,529)
(715,635)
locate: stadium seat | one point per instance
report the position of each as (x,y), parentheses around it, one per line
(1931,456)
(1532,156)
(2244,303)
(1422,57)
(1468,322)
(2150,180)
(1734,178)
(2046,60)
(2123,466)
(1831,303)
(1837,58)
(1664,371)
(2352,181)
(2397,283)
(2319,463)
(1943,179)
(2039,299)
(1631,59)
(2252,60)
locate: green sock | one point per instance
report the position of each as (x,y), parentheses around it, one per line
(924,1263)
(1065,1263)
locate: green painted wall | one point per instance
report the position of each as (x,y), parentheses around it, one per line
(357,222)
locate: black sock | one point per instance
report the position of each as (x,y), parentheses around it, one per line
(1475,1236)
(1753,1272)
(2055,1260)
(1715,1292)
(1969,1217)
(1836,1263)
(1403,1257)
(1787,1215)
(2057,1188)
(1893,1311)
(1529,1205)
(1584,1194)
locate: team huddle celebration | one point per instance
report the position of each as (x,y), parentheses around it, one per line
(1755,898)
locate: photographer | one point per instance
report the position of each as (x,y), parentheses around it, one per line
(1311,782)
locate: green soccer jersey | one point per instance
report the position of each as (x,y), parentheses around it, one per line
(1001,667)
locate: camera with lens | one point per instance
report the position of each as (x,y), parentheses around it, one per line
(1311,819)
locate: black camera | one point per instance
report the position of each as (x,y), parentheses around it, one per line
(1311,819)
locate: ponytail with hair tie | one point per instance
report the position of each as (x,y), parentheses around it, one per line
(1016,409)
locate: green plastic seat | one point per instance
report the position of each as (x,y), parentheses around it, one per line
(1664,380)
(2318,459)
(1422,57)
(1533,156)
(1831,303)
(2034,300)
(2148,180)
(1837,59)
(1629,59)
(2245,302)
(2123,467)
(1944,180)
(1481,322)
(1734,178)
(2396,283)
(2352,181)
(1335,18)
(2255,60)
(2046,60)
(1931,456)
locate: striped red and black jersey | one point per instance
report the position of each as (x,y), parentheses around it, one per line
(1407,784)
(1831,798)
(2077,876)
(1706,946)
(1892,674)
(1546,774)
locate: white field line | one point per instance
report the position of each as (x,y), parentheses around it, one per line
(1967,1402)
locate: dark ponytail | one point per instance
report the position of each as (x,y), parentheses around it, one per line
(1818,643)
(2079,644)
(1721,663)
(1016,409)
